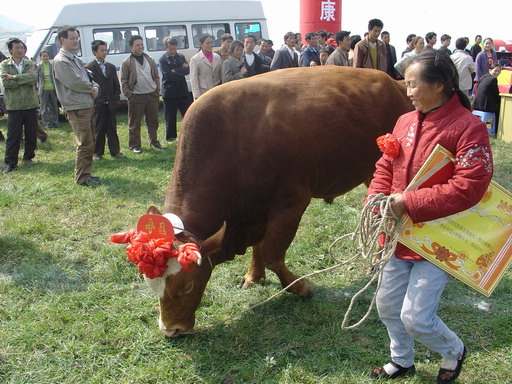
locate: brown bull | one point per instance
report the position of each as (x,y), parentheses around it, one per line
(252,153)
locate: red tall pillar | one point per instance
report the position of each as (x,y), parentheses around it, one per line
(320,14)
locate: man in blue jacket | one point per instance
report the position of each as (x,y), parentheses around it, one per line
(174,68)
(311,52)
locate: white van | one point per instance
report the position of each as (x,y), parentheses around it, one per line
(115,23)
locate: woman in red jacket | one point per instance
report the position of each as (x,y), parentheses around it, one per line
(411,287)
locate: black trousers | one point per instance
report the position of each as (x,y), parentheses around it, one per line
(106,125)
(171,106)
(17,123)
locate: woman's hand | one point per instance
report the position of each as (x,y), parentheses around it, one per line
(398,204)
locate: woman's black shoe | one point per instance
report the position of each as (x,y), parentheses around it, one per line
(380,373)
(447,376)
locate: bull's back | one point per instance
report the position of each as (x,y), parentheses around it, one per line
(314,127)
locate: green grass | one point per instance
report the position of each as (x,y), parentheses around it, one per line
(74,310)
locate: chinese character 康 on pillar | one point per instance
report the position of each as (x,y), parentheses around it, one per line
(328,11)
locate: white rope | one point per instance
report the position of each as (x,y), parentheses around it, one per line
(377,217)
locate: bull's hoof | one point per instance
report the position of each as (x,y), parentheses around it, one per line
(247,281)
(303,288)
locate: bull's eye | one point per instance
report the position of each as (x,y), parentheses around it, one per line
(187,288)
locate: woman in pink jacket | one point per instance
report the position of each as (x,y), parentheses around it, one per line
(411,287)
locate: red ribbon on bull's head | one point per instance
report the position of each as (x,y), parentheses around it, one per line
(152,245)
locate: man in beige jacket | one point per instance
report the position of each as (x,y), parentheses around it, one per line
(76,93)
(140,83)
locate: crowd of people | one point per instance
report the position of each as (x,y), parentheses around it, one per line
(439,83)
(244,59)
(89,93)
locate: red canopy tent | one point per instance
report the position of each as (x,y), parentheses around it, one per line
(506,44)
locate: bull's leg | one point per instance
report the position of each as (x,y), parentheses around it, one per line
(256,271)
(279,234)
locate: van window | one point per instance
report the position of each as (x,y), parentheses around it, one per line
(242,29)
(116,38)
(155,36)
(53,46)
(216,30)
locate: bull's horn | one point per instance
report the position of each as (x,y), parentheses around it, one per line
(214,242)
(152,210)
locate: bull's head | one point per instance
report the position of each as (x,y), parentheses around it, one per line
(180,291)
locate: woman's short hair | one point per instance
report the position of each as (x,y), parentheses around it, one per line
(354,39)
(438,67)
(234,44)
(415,40)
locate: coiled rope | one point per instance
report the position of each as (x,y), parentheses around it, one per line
(377,217)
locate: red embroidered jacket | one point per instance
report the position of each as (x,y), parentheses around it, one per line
(461,133)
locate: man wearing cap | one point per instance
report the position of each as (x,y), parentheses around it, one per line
(19,77)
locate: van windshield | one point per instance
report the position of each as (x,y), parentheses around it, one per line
(34,42)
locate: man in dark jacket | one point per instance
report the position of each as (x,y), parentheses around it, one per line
(252,61)
(174,68)
(286,56)
(476,48)
(105,105)
(311,52)
(391,71)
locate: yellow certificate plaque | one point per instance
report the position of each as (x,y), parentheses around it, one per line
(474,246)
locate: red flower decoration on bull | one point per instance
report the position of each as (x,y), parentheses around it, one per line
(152,245)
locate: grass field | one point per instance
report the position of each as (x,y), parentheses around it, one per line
(74,310)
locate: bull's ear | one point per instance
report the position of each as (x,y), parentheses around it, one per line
(153,210)
(214,242)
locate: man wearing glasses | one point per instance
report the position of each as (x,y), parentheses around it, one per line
(76,93)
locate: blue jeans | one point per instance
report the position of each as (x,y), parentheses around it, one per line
(407,302)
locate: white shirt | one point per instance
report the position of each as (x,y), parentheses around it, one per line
(19,66)
(249,58)
(103,66)
(465,66)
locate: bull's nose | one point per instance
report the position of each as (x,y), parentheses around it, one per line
(173,330)
(170,333)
